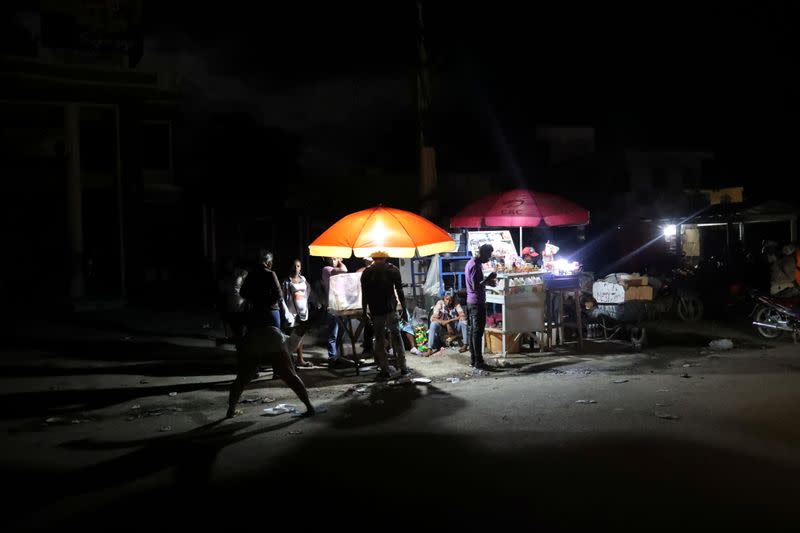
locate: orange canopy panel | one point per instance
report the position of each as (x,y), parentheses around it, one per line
(394,231)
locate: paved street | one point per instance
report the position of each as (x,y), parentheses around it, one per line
(678,436)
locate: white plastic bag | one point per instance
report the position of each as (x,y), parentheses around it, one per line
(431,287)
(288,315)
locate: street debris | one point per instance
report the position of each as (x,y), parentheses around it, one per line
(686,365)
(54,420)
(173,394)
(164,429)
(454,380)
(154,412)
(361,390)
(421,381)
(176,409)
(721,344)
(143,382)
(663,404)
(667,416)
(280,409)
(586,401)
(76,421)
(685,375)
(620,381)
(135,407)
(295,432)
(256,399)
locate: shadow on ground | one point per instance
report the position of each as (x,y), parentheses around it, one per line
(445,480)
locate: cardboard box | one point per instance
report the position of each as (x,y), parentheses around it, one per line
(639,294)
(493,341)
(633,280)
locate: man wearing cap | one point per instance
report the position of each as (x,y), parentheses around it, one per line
(476,303)
(381,290)
(529,255)
(448,316)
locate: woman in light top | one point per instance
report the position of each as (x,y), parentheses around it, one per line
(297,290)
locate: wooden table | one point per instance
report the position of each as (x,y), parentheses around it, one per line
(346,325)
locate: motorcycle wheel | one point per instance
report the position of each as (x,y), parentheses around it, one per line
(689,308)
(765,314)
(638,337)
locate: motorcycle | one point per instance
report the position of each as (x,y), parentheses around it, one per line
(677,292)
(772,316)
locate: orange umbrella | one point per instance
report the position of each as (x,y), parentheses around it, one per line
(396,232)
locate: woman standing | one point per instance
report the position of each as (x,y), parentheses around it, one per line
(296,290)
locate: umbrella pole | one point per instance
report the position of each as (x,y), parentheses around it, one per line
(520,240)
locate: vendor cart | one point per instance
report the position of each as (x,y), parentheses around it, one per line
(522,299)
(625,319)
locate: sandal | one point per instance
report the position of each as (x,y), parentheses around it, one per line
(305,364)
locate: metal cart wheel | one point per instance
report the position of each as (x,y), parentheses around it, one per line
(638,337)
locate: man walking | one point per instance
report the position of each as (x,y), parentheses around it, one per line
(381,291)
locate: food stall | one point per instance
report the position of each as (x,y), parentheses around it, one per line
(392,232)
(519,292)
(531,300)
(522,300)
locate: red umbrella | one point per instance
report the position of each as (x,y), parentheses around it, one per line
(523,208)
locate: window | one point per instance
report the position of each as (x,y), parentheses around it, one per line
(157,146)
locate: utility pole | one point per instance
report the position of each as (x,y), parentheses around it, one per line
(428,184)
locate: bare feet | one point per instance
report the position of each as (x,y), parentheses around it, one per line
(234,412)
(310,411)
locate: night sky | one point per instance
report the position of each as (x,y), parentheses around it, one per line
(339,79)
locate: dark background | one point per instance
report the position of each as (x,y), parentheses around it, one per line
(281,118)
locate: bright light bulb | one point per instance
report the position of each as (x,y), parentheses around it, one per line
(379,234)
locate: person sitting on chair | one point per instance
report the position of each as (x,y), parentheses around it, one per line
(448,317)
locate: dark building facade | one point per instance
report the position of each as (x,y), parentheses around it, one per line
(91,210)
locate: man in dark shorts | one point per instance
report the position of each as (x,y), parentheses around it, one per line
(266,345)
